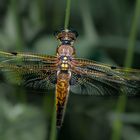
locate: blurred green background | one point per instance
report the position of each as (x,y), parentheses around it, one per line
(106,28)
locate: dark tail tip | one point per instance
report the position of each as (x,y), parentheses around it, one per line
(59,123)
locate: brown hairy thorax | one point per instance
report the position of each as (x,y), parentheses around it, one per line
(65,50)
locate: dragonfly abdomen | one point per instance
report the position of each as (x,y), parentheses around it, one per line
(62,92)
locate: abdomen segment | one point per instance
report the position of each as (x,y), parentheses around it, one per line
(62,93)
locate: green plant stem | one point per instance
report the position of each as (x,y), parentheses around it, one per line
(132,37)
(121,104)
(53,124)
(67,14)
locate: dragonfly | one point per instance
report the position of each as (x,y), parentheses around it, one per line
(66,73)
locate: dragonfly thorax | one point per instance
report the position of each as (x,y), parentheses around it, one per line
(65,50)
(64,63)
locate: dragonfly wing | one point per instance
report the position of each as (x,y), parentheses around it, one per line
(80,85)
(93,66)
(26,58)
(30,70)
(92,78)
(92,86)
(35,77)
(35,81)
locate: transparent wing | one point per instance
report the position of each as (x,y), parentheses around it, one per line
(35,77)
(26,58)
(29,70)
(92,78)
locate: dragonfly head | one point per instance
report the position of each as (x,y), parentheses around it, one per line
(66,36)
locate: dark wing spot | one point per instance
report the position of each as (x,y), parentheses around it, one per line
(113,67)
(110,75)
(14,53)
(19,66)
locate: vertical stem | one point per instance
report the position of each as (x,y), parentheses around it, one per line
(117,126)
(132,37)
(53,123)
(67,14)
